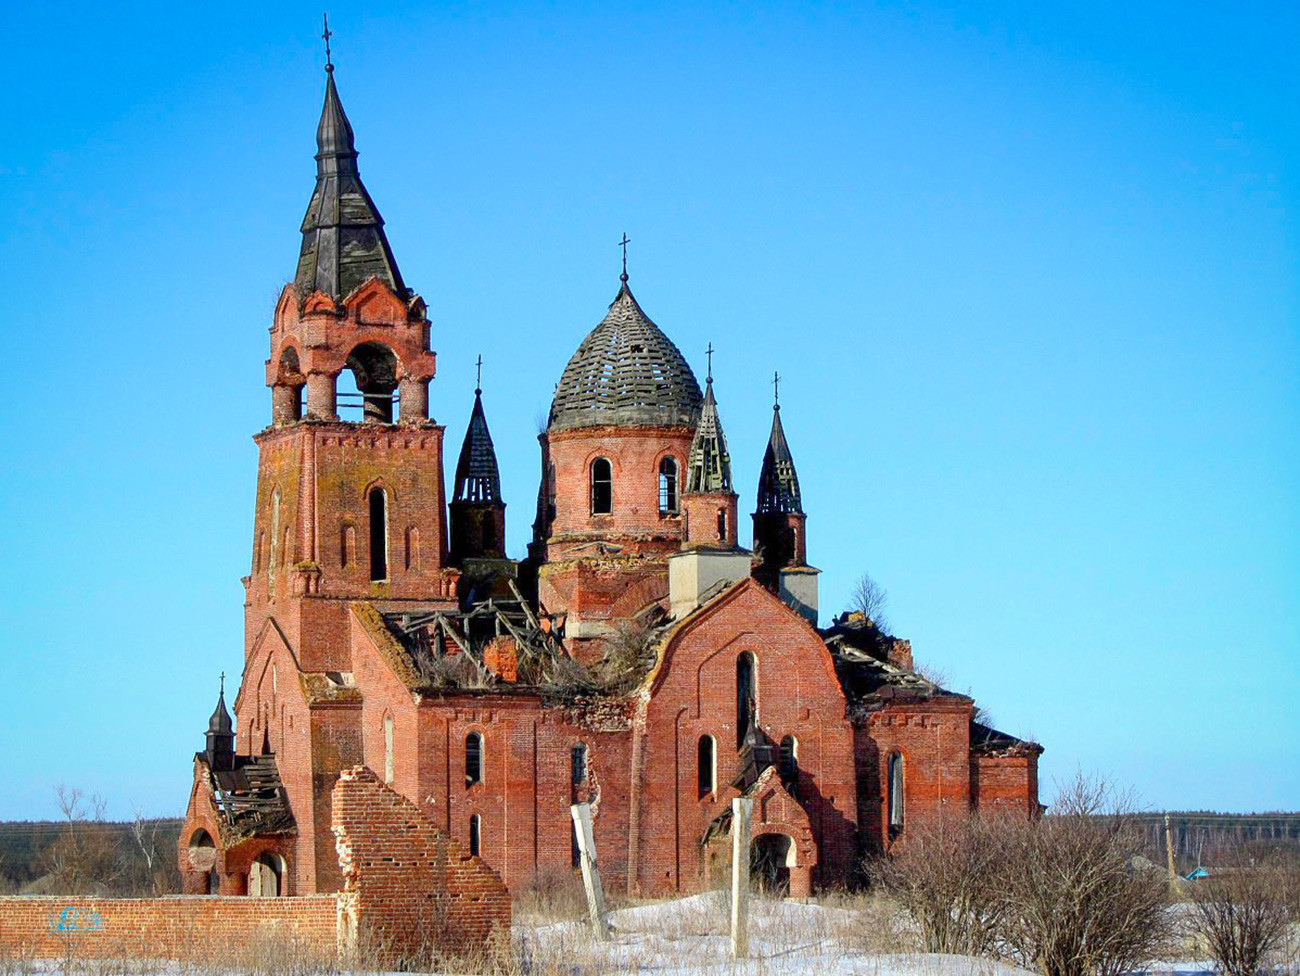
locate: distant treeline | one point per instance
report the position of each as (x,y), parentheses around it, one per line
(1198,835)
(91,856)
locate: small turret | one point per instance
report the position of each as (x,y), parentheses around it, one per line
(220,750)
(779,523)
(478,515)
(708,500)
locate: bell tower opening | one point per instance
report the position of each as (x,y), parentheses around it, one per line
(373,395)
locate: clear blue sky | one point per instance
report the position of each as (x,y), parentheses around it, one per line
(1029,272)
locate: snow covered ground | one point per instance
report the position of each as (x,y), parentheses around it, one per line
(690,937)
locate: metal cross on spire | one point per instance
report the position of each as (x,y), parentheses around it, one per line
(478,377)
(709,352)
(329,62)
(223,682)
(776,391)
(623,244)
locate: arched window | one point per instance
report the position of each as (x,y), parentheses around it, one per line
(707,771)
(578,764)
(722,525)
(602,487)
(668,486)
(895,793)
(275,535)
(746,707)
(473,759)
(789,762)
(378,535)
(388,749)
(475,834)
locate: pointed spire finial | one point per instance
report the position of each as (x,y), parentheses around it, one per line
(623,244)
(329,61)
(709,352)
(776,391)
(478,376)
(222,692)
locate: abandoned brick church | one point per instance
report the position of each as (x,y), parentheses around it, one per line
(638,659)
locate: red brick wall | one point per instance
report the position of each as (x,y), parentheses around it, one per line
(407,884)
(933,737)
(694,694)
(1005,785)
(182,927)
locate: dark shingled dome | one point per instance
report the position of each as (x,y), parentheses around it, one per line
(626,373)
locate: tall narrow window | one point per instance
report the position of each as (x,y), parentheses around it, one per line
(575,853)
(895,792)
(378,535)
(578,764)
(275,536)
(412,548)
(707,765)
(722,525)
(475,834)
(668,486)
(388,749)
(602,487)
(473,759)
(489,534)
(745,704)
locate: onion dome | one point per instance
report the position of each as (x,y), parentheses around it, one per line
(343,241)
(778,484)
(626,373)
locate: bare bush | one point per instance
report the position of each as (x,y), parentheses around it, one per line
(1075,906)
(870,599)
(84,858)
(1242,911)
(949,879)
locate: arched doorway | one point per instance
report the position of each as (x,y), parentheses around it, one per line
(202,856)
(771,856)
(266,876)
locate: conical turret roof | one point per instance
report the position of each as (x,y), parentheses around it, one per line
(778,484)
(708,467)
(626,372)
(220,722)
(343,242)
(477,476)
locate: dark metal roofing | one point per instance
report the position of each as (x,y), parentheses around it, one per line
(343,242)
(220,723)
(626,372)
(477,476)
(778,484)
(708,467)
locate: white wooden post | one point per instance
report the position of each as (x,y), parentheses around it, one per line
(590,872)
(741,809)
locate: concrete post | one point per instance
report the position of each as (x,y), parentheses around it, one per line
(742,807)
(590,872)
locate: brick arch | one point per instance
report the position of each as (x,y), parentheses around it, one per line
(777,812)
(638,596)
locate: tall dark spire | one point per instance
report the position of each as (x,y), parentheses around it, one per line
(477,476)
(343,242)
(778,484)
(708,466)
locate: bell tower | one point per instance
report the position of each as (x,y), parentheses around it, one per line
(350,502)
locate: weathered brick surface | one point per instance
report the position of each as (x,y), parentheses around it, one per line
(406,884)
(181,927)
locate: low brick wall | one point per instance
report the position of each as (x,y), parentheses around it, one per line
(408,889)
(179,927)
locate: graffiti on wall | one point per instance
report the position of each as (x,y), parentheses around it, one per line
(74,919)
